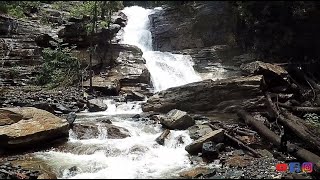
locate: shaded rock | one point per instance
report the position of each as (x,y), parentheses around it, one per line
(71,117)
(259,66)
(96,105)
(44,106)
(196,146)
(274,75)
(183,27)
(128,70)
(209,151)
(38,126)
(176,119)
(8,117)
(198,131)
(104,120)
(94,130)
(222,95)
(197,172)
(61,108)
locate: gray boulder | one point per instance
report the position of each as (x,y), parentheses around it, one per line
(176,119)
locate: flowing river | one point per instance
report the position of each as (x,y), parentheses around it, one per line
(137,156)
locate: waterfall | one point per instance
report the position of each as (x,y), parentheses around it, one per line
(137,156)
(166,69)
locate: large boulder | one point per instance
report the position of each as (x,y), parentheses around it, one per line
(198,131)
(176,119)
(93,130)
(96,105)
(274,75)
(223,96)
(196,146)
(36,126)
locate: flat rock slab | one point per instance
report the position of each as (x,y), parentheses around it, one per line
(196,146)
(36,126)
(224,95)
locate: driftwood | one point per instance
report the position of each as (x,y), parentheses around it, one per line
(301,109)
(254,152)
(244,132)
(239,142)
(295,124)
(281,96)
(160,139)
(274,139)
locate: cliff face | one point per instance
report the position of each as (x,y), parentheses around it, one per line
(197,25)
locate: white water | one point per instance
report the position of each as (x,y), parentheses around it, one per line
(137,156)
(166,69)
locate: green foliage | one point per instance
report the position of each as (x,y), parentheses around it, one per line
(59,68)
(18,8)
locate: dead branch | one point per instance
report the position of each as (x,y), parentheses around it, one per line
(274,139)
(254,152)
(295,124)
(301,109)
(160,139)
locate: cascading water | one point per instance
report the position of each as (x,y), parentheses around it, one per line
(166,69)
(137,156)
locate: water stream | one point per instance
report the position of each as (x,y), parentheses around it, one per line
(137,156)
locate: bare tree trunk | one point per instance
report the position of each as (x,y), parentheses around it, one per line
(91,43)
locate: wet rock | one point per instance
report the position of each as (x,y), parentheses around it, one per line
(35,168)
(71,117)
(96,105)
(136,116)
(38,126)
(197,172)
(198,131)
(176,119)
(209,151)
(222,96)
(94,130)
(216,136)
(61,108)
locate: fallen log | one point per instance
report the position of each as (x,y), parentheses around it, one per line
(300,109)
(292,149)
(160,139)
(281,96)
(244,133)
(241,144)
(295,124)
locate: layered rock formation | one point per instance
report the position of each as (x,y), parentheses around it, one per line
(223,95)
(27,127)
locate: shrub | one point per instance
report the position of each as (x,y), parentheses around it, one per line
(59,68)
